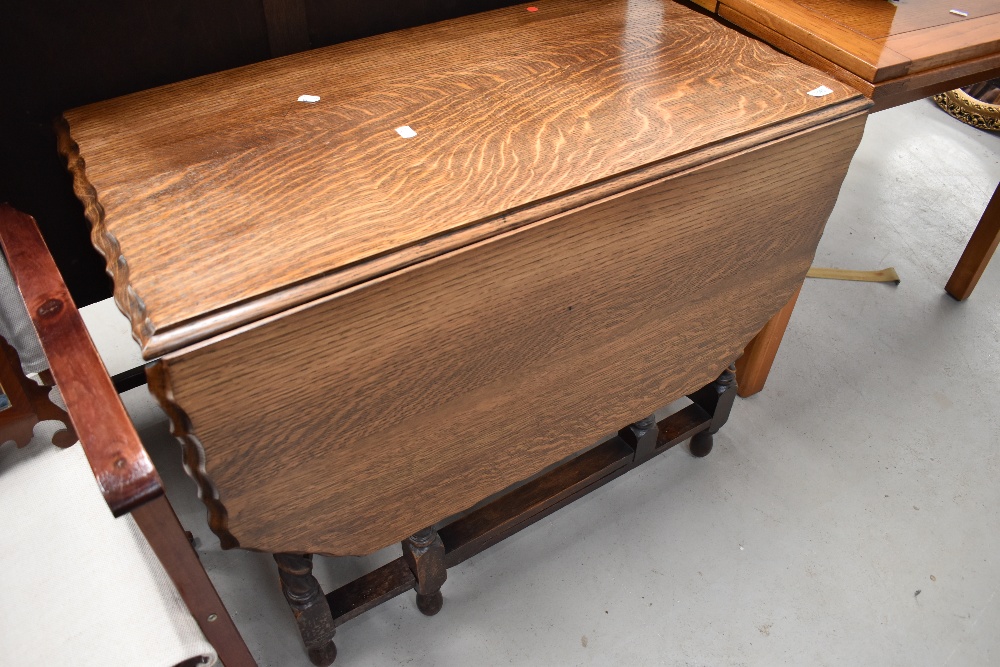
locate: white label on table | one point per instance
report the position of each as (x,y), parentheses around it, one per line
(309,98)
(819,92)
(958,12)
(406,132)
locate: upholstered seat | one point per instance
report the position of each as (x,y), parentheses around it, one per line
(81,587)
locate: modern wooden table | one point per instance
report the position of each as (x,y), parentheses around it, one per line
(894,53)
(478,248)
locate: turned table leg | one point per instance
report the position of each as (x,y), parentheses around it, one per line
(977,254)
(753,367)
(309,605)
(424,553)
(717,400)
(641,436)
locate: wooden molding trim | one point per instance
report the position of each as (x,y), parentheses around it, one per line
(194,452)
(931,82)
(126,298)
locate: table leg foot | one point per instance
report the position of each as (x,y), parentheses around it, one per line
(323,656)
(701,444)
(424,553)
(430,604)
(309,605)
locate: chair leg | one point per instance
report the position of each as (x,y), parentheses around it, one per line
(977,254)
(28,404)
(754,366)
(424,553)
(159,524)
(309,605)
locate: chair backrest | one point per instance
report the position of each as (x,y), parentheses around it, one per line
(16,327)
(23,403)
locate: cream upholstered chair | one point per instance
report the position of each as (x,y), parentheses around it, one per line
(81,587)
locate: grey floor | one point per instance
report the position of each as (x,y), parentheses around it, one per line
(849,515)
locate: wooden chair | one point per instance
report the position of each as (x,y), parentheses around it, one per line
(124,472)
(24,403)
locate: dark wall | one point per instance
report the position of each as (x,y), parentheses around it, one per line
(58,55)
(333,22)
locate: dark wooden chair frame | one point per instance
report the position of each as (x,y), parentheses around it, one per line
(124,471)
(29,404)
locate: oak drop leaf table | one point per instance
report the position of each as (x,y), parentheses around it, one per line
(489,243)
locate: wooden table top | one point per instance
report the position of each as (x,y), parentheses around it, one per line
(878,40)
(223,199)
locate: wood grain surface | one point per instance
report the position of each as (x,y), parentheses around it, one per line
(353,422)
(876,40)
(287,26)
(827,37)
(889,93)
(878,19)
(519,508)
(801,53)
(946,44)
(222,199)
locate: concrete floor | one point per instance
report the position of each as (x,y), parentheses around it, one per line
(849,515)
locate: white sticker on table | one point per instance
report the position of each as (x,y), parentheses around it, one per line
(819,92)
(309,98)
(406,132)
